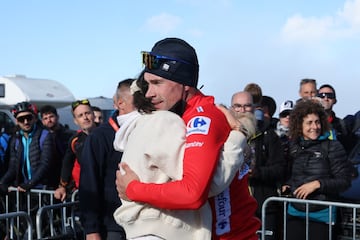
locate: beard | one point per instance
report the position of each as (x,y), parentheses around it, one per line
(248,122)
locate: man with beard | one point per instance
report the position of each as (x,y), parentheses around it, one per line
(31,152)
(265,159)
(50,121)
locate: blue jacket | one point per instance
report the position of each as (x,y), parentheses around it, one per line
(97,192)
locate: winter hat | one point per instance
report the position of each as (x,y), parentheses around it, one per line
(288,105)
(178,61)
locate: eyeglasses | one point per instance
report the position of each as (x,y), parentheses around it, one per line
(28,117)
(326,94)
(246,107)
(152,61)
(79,102)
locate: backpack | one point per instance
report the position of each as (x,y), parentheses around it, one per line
(4,153)
(4,141)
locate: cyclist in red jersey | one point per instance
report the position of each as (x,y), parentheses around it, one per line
(171,70)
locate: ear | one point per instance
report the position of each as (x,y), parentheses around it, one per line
(75,121)
(115,102)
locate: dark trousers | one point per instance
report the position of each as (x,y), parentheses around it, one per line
(296,229)
(116,236)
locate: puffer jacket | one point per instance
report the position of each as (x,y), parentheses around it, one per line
(40,159)
(311,162)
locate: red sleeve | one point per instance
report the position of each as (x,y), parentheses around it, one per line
(200,160)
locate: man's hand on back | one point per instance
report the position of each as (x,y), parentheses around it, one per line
(123,177)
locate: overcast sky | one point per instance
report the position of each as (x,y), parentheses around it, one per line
(90,45)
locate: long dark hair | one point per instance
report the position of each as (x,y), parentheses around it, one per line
(142,103)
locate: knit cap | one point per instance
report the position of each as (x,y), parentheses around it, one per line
(184,71)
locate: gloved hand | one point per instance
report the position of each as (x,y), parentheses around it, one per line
(4,189)
(26,186)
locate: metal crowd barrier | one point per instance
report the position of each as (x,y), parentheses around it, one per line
(65,221)
(10,217)
(330,205)
(32,207)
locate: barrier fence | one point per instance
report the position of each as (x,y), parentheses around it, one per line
(10,217)
(53,219)
(349,221)
(56,220)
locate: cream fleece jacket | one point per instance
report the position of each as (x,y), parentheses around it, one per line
(155,138)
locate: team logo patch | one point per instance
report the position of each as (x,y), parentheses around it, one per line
(165,67)
(198,125)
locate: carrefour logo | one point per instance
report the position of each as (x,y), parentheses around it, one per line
(198,125)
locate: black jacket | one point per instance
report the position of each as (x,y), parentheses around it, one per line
(311,162)
(61,138)
(343,135)
(40,159)
(97,192)
(270,165)
(73,152)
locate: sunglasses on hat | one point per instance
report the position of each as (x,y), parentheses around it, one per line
(28,117)
(79,102)
(326,94)
(152,61)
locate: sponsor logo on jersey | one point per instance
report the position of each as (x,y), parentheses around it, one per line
(199,109)
(198,125)
(194,144)
(223,212)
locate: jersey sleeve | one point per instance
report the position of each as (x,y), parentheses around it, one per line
(206,134)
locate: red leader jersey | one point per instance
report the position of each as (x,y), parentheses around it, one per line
(207,130)
(234,209)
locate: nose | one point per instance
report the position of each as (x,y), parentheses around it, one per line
(150,92)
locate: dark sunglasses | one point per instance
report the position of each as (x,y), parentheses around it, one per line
(152,61)
(79,102)
(326,94)
(284,114)
(28,117)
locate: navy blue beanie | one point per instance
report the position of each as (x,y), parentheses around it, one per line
(177,71)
